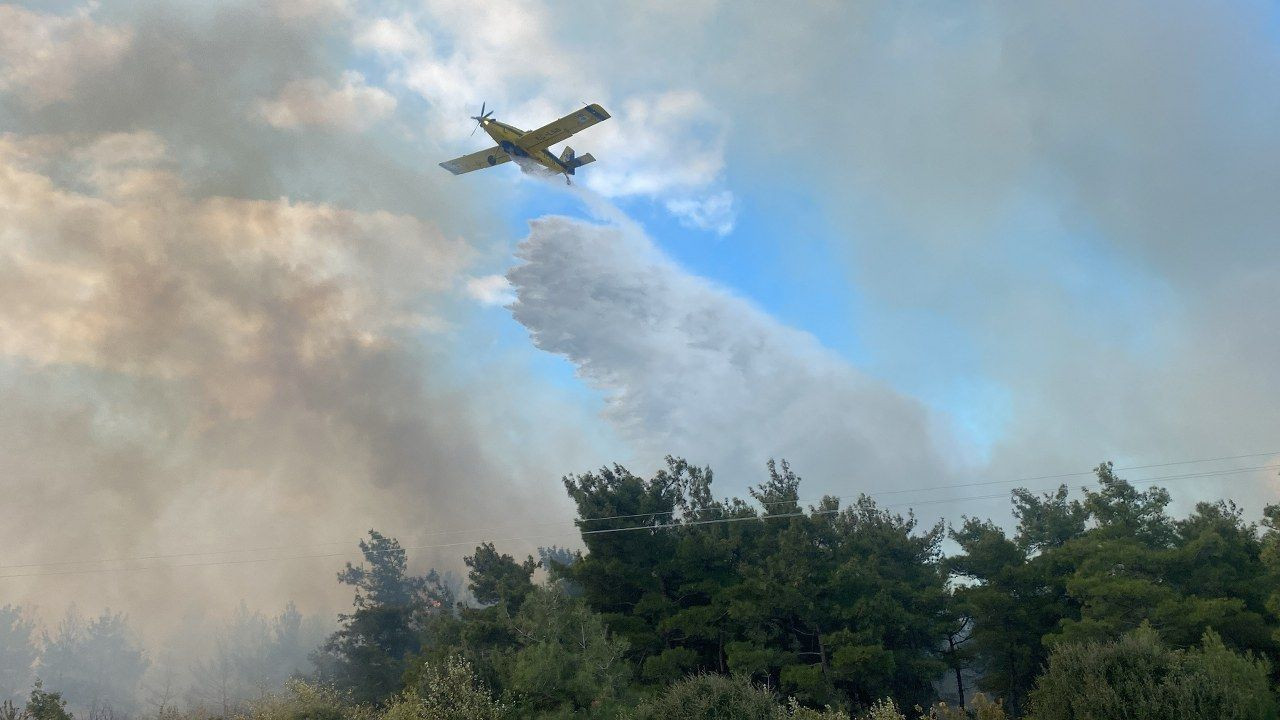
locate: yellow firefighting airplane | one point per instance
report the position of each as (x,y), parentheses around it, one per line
(516,144)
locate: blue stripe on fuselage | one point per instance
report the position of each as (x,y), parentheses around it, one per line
(512,149)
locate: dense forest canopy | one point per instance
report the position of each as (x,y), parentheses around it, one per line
(1089,598)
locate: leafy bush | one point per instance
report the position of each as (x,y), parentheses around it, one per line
(305,701)
(721,697)
(566,660)
(449,691)
(42,705)
(797,712)
(1139,677)
(712,697)
(884,710)
(980,708)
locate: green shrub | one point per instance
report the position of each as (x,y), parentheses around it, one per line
(305,701)
(712,697)
(797,712)
(1139,677)
(566,658)
(979,708)
(884,709)
(42,705)
(449,691)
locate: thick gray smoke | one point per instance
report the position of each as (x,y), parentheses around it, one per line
(100,667)
(232,316)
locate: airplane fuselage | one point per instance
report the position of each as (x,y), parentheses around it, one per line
(530,149)
(506,135)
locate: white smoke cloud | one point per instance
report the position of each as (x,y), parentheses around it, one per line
(163,353)
(353,105)
(218,336)
(92,307)
(43,58)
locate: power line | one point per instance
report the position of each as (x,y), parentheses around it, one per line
(581,521)
(1074,474)
(167,556)
(882,493)
(631,528)
(1147,481)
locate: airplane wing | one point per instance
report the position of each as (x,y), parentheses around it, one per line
(561,129)
(476,161)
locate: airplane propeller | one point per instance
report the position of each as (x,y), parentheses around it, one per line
(480,118)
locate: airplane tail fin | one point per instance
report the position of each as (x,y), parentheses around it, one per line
(571,163)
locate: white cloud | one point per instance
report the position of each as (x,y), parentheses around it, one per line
(688,368)
(714,212)
(669,147)
(490,290)
(666,145)
(390,37)
(43,58)
(671,141)
(353,105)
(295,10)
(459,54)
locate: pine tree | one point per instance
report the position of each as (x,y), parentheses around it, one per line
(369,654)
